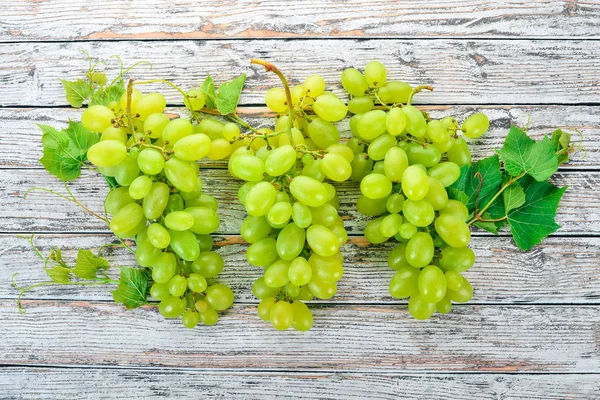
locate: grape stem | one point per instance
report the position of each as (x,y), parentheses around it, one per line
(288,95)
(417,90)
(479,213)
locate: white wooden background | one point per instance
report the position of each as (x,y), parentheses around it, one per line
(532,329)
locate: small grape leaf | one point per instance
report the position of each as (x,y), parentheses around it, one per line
(513,196)
(65,151)
(133,287)
(561,142)
(59,274)
(77,91)
(87,264)
(521,154)
(208,88)
(96,77)
(228,95)
(466,188)
(534,220)
(108,94)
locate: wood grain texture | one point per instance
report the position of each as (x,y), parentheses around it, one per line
(21,146)
(554,272)
(462,72)
(68,383)
(153,19)
(367,337)
(579,211)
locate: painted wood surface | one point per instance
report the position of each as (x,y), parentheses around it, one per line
(209,19)
(462,71)
(68,383)
(553,273)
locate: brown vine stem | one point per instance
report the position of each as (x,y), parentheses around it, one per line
(288,95)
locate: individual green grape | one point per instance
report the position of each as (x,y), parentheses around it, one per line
(276,100)
(280,160)
(150,161)
(181,174)
(255,228)
(145,252)
(339,231)
(475,125)
(158,236)
(321,240)
(190,319)
(208,264)
(394,92)
(336,167)
(360,105)
(282,315)
(164,267)
(445,172)
(301,215)
(457,259)
(404,283)
(299,271)
(159,291)
(453,230)
(201,306)
(192,147)
(126,219)
(197,191)
(127,170)
(172,307)
(262,253)
(117,199)
(279,214)
(380,146)
(397,257)
(211,128)
(394,203)
(407,230)
(379,168)
(325,215)
(416,124)
(276,275)
(308,191)
(231,131)
(420,250)
(156,200)
(177,285)
(140,187)
(462,295)
(112,133)
(203,200)
(454,280)
(459,153)
(371,125)
(176,129)
(150,104)
(415,183)
(248,167)
(444,306)
(323,133)
(326,269)
(264,308)
(194,99)
(395,163)
(97,118)
(297,92)
(376,74)
(395,121)
(428,156)
(184,244)
(136,95)
(390,225)
(373,231)
(260,199)
(107,153)
(436,195)
(303,319)
(219,297)
(206,220)
(419,308)
(155,124)
(457,209)
(437,132)
(371,207)
(313,170)
(179,221)
(354,82)
(262,291)
(209,317)
(322,290)
(330,108)
(290,241)
(432,284)
(315,85)
(376,186)
(361,167)
(285,139)
(205,242)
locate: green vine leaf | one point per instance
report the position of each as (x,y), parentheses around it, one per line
(59,274)
(208,88)
(521,154)
(103,96)
(513,197)
(562,143)
(88,264)
(229,94)
(65,151)
(466,188)
(534,220)
(77,92)
(133,287)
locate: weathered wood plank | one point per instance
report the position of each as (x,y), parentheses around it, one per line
(20,138)
(463,72)
(472,338)
(153,19)
(556,271)
(579,211)
(67,383)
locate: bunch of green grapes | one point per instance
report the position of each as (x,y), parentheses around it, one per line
(404,160)
(159,201)
(293,224)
